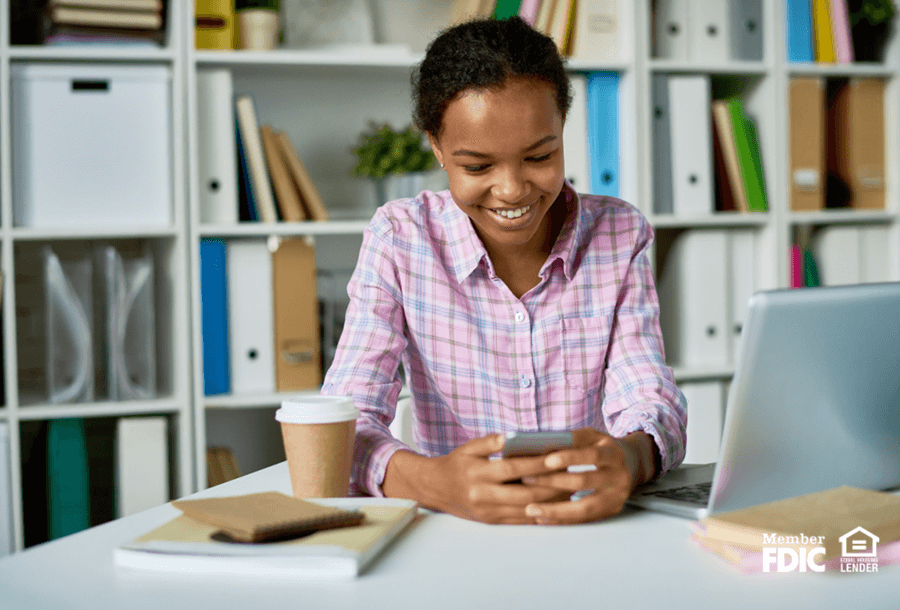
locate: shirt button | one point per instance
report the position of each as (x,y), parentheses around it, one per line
(520,316)
(524,381)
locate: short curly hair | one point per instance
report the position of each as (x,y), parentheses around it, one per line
(483,54)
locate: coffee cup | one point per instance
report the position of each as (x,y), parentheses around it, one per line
(318,434)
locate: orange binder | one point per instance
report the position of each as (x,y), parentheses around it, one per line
(856,141)
(296,309)
(807,143)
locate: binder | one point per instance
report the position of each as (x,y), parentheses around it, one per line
(575,136)
(710,30)
(68,502)
(798,22)
(824,42)
(746,30)
(596,33)
(852,255)
(691,141)
(796,262)
(100,436)
(806,121)
(68,287)
(214,24)
(504,9)
(286,194)
(747,145)
(693,293)
(729,168)
(705,422)
(561,25)
(142,464)
(251,143)
(662,146)
(214,317)
(840,29)
(856,141)
(671,36)
(742,255)
(130,325)
(544,15)
(217,162)
(528,11)
(298,348)
(250,316)
(603,132)
(7,542)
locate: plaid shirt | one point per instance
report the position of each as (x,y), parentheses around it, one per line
(581,349)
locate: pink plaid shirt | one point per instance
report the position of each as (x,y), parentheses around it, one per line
(581,349)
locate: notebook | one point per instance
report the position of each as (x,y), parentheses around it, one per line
(813,404)
(187,545)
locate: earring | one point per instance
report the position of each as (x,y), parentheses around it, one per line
(442,166)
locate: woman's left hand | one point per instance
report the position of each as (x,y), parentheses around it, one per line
(608,466)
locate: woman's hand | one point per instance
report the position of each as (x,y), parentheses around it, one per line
(610,467)
(466,483)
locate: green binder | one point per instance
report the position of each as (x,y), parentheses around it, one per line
(68,500)
(747,144)
(506,8)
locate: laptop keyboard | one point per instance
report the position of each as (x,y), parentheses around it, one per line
(695,494)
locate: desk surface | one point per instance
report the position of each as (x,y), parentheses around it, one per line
(638,559)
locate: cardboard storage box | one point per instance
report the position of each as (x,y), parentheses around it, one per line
(91,145)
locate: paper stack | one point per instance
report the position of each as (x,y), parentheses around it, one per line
(833,529)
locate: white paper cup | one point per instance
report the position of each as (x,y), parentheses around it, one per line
(318,434)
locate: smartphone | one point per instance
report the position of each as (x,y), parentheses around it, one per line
(520,444)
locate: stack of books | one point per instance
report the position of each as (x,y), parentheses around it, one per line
(845,529)
(104,21)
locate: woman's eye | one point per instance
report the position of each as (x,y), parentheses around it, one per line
(475,168)
(539,158)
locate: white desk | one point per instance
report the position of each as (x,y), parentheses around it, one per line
(638,559)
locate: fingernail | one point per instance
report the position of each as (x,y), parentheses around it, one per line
(532,510)
(554,461)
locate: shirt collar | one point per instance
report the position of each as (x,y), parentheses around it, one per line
(466,249)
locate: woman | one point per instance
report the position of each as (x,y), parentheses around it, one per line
(512,302)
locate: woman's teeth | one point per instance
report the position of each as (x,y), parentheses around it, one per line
(512,213)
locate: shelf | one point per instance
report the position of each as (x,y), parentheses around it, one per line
(367,57)
(117,232)
(842,216)
(722,219)
(98,409)
(729,67)
(836,70)
(99,52)
(260,229)
(701,373)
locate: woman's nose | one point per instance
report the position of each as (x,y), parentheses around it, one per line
(510,186)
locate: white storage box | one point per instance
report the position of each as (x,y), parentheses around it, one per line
(91,145)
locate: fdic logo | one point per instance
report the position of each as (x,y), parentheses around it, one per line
(859,549)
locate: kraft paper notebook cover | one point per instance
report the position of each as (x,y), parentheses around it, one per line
(185,545)
(286,195)
(724,134)
(315,207)
(251,142)
(807,143)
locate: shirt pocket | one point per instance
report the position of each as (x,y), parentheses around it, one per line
(584,346)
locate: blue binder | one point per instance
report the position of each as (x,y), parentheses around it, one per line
(67,478)
(603,132)
(798,23)
(214,313)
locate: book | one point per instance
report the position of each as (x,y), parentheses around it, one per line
(528,11)
(251,143)
(221,466)
(68,498)
(127,5)
(798,22)
(747,146)
(727,153)
(186,545)
(503,9)
(286,194)
(315,207)
(822,34)
(266,516)
(840,29)
(140,20)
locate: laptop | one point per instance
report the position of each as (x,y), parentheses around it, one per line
(814,404)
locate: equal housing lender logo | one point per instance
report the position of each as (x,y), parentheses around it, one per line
(859,552)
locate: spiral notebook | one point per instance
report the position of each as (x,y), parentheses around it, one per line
(190,546)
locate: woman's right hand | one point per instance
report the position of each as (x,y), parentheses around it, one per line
(468,484)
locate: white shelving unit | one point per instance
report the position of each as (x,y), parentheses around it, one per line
(322,100)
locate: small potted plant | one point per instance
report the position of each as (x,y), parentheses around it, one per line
(870,24)
(397,161)
(258,23)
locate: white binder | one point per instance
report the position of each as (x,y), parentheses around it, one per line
(130,325)
(710,31)
(596,35)
(142,464)
(216,146)
(742,256)
(671,37)
(7,545)
(251,323)
(575,137)
(852,255)
(691,145)
(693,294)
(69,337)
(705,421)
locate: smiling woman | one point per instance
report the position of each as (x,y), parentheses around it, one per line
(512,302)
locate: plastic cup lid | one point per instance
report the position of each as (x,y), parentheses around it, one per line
(317,410)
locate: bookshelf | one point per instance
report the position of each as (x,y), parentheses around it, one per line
(322,99)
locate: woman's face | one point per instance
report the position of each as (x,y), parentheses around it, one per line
(502,150)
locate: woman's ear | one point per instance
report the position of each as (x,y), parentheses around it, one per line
(436,149)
